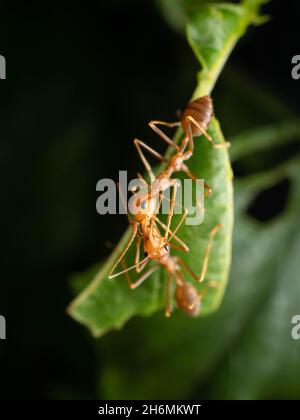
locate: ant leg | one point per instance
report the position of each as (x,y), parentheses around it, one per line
(188,139)
(134,188)
(192,176)
(140,177)
(131,284)
(143,277)
(153,124)
(192,120)
(216,145)
(137,254)
(178,247)
(124,204)
(179,224)
(158,203)
(143,263)
(207,252)
(207,188)
(201,277)
(139,144)
(139,267)
(127,275)
(170,215)
(176,204)
(133,235)
(184,247)
(168,305)
(188,268)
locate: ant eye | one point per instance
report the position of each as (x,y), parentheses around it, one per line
(144,205)
(146,254)
(167,247)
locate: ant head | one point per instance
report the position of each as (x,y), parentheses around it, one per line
(188,299)
(164,248)
(161,252)
(155,246)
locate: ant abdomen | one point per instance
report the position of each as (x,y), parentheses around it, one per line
(188,299)
(201,111)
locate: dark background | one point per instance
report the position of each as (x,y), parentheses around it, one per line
(82,82)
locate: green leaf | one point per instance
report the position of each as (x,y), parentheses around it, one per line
(215,28)
(107,304)
(176,11)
